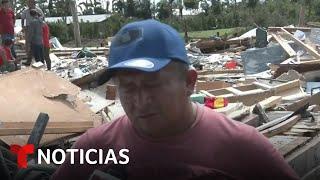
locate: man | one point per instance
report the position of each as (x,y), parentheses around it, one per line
(36,36)
(46,44)
(7,22)
(25,22)
(168,136)
(7,61)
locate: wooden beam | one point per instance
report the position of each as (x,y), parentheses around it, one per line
(290,29)
(310,61)
(206,93)
(234,91)
(270,102)
(285,46)
(50,124)
(310,50)
(306,158)
(48,130)
(251,120)
(273,122)
(262,86)
(286,86)
(281,127)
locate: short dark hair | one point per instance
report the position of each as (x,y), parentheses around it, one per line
(4,1)
(7,42)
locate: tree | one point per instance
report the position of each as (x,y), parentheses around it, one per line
(164,9)
(191,4)
(130,8)
(118,6)
(143,9)
(205,6)
(252,3)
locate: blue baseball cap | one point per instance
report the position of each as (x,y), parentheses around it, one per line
(146,46)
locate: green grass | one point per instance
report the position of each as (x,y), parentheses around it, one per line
(208,33)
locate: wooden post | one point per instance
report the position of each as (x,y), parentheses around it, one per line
(76,28)
(186,38)
(301,17)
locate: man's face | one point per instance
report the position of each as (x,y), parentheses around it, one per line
(5,5)
(153,101)
(31,3)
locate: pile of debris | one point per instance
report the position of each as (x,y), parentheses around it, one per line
(268,80)
(274,87)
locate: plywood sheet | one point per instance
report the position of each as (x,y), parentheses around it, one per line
(26,93)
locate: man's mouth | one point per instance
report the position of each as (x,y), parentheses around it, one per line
(149,115)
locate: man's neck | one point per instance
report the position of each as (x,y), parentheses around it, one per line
(185,122)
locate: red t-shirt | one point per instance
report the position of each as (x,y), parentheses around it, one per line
(45,34)
(7,52)
(215,147)
(7,21)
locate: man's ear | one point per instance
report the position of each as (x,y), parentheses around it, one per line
(191,80)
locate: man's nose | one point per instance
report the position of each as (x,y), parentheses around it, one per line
(143,98)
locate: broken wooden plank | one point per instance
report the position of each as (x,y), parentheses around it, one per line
(286,86)
(281,127)
(310,61)
(285,46)
(288,144)
(302,126)
(239,113)
(270,102)
(263,86)
(310,50)
(297,104)
(302,130)
(304,159)
(290,29)
(211,85)
(275,121)
(301,68)
(289,133)
(251,120)
(232,107)
(234,91)
(220,71)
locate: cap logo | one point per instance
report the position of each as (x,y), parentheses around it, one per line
(127,37)
(142,63)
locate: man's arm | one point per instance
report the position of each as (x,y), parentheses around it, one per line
(3,56)
(41,13)
(14,18)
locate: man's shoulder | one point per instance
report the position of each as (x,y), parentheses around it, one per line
(214,118)
(106,130)
(223,127)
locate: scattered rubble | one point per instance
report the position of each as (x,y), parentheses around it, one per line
(274,87)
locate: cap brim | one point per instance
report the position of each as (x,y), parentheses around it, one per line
(140,64)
